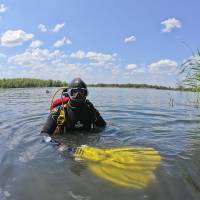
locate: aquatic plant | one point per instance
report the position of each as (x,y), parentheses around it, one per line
(191,75)
(191,72)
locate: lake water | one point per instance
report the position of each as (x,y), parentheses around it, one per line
(31,169)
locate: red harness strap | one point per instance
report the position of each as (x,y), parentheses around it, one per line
(59,101)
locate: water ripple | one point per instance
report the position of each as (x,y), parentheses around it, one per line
(135,118)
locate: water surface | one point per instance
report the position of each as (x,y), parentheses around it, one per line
(31,169)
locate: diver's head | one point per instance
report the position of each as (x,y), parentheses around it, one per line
(77,92)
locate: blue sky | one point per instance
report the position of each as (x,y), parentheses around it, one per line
(107,41)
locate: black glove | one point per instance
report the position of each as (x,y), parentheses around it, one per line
(48,139)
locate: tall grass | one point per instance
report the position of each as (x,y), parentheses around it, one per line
(191,72)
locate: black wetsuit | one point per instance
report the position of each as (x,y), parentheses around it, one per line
(82,117)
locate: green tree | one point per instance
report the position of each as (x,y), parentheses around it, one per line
(28,82)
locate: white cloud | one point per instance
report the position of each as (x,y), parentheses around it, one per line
(42,28)
(29,57)
(45,64)
(14,38)
(170,24)
(133,69)
(62,42)
(100,58)
(42,63)
(92,66)
(163,66)
(79,54)
(58,27)
(132,38)
(36,44)
(140,70)
(3,8)
(59,43)
(131,66)
(2,55)
(37,57)
(68,41)
(115,71)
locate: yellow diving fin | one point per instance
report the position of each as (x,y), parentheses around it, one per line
(126,166)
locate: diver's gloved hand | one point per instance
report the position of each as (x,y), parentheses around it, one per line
(48,139)
(61,147)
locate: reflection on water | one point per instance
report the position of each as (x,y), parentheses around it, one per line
(142,118)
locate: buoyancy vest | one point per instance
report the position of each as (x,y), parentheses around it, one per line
(60,102)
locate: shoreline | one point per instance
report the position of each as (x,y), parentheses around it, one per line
(38,83)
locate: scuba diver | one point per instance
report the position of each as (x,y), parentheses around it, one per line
(73,111)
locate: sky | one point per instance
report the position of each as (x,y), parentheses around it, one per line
(101,41)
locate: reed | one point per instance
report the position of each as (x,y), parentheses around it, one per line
(190,70)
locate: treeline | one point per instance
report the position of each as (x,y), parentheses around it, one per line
(130,85)
(29,82)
